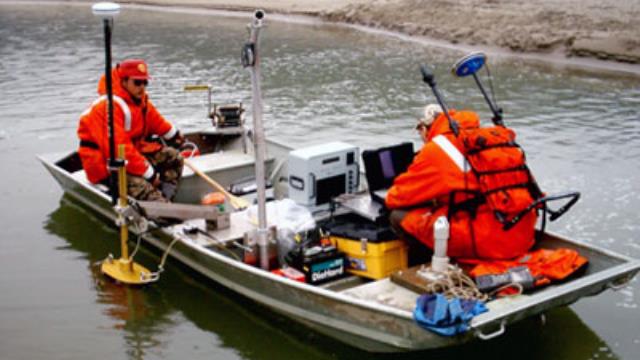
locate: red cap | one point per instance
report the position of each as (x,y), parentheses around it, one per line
(134,69)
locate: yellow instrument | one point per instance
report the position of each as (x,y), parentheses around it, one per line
(124,269)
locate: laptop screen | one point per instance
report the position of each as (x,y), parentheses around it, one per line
(384,164)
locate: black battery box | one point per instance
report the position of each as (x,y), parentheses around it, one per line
(320,264)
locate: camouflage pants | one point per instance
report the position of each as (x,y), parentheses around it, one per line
(168,163)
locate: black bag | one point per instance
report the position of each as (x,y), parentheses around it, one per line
(352,226)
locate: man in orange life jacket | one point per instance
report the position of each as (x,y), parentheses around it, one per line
(423,193)
(153,170)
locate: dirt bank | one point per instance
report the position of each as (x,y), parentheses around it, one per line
(603,29)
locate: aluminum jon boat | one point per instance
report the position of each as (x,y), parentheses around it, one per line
(371,315)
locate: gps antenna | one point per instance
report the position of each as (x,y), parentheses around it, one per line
(470,65)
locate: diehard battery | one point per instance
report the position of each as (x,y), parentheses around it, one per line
(320,264)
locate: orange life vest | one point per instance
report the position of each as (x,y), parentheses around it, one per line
(133,122)
(441,181)
(545,265)
(499,164)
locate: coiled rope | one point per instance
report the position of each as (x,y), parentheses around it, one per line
(454,283)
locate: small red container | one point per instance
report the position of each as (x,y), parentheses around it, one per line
(290,273)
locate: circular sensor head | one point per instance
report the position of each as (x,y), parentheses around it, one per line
(469,65)
(105,9)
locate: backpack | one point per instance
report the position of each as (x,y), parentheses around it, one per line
(505,181)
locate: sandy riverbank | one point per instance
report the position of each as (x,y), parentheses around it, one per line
(603,29)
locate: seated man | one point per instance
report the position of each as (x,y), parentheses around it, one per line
(153,169)
(440,174)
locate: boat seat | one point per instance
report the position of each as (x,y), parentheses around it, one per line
(225,167)
(207,163)
(218,161)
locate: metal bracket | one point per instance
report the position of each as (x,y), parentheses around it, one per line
(129,215)
(247,56)
(116,164)
(151,277)
(620,283)
(494,334)
(363,245)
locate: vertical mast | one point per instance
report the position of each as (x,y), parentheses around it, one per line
(107,11)
(251,59)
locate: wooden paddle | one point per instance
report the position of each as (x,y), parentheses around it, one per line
(236,202)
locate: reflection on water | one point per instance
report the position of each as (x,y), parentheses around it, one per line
(581,131)
(128,306)
(136,312)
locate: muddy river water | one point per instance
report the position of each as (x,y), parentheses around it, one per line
(581,130)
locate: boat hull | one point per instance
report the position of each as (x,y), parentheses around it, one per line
(363,323)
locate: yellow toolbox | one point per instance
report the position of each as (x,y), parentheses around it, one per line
(374,260)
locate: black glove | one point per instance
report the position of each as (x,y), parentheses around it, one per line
(177,140)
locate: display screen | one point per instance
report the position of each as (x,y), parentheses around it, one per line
(330,187)
(386,162)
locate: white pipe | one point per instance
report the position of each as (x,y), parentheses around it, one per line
(259,139)
(440,261)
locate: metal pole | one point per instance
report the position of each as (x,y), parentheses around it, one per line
(124,269)
(122,184)
(107,11)
(252,49)
(429,78)
(113,165)
(497,116)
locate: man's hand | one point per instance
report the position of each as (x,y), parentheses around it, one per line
(177,140)
(156,181)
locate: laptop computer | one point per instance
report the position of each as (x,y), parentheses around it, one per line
(383,165)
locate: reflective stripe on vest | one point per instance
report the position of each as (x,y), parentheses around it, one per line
(454,154)
(123,106)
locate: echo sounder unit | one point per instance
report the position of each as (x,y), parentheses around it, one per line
(321,172)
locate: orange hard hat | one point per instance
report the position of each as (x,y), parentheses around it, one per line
(134,69)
